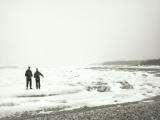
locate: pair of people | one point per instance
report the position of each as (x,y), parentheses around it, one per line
(29,75)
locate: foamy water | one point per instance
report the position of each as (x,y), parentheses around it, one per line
(67,87)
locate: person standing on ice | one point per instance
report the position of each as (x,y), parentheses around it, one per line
(37,75)
(28,75)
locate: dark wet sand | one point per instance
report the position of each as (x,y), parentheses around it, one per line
(148,109)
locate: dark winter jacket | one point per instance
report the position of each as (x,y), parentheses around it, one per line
(28,74)
(37,75)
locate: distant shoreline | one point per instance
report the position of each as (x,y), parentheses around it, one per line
(134,62)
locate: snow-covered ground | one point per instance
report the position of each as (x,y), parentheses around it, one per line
(74,87)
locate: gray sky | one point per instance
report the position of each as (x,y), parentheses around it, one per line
(77,32)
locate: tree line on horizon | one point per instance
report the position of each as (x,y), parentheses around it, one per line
(134,62)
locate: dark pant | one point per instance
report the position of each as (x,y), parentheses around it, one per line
(38,85)
(28,82)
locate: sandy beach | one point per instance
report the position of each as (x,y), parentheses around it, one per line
(147,109)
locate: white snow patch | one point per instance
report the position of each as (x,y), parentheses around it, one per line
(66,86)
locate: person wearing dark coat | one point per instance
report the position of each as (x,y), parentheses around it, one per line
(28,75)
(37,75)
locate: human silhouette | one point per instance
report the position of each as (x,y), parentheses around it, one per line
(28,75)
(37,75)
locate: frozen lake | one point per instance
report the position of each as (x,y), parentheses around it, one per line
(74,87)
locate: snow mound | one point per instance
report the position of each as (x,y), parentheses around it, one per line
(104,89)
(126,85)
(100,86)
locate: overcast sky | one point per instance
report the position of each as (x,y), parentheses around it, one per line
(77,32)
